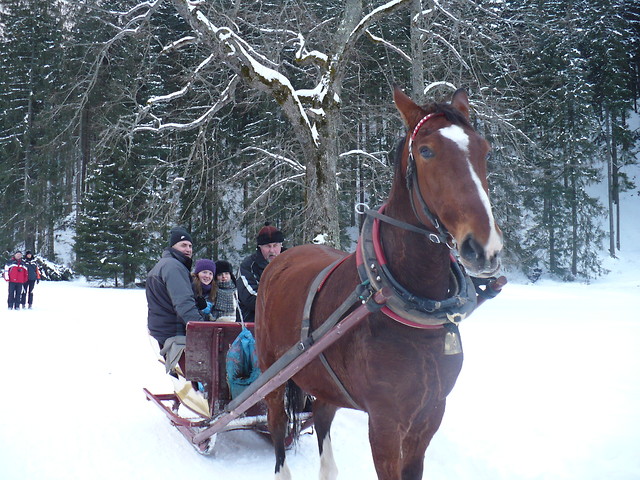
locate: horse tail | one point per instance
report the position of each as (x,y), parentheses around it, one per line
(295,399)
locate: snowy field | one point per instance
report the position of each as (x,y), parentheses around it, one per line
(550,389)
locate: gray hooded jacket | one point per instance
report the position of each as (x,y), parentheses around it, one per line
(170,297)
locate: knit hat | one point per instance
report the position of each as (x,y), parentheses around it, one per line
(205,264)
(178,234)
(28,252)
(223,266)
(269,234)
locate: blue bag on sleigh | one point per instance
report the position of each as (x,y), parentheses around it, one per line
(242,363)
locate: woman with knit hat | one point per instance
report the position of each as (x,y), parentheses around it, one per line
(204,288)
(226,305)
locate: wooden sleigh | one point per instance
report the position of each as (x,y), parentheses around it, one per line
(204,362)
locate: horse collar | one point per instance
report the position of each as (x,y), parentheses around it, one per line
(404,306)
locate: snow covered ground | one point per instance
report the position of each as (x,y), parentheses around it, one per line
(550,390)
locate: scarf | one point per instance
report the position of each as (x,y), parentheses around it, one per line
(225,302)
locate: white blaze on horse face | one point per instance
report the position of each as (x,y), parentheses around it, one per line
(457,135)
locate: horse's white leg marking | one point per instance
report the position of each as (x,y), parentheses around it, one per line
(328,467)
(284,473)
(461,139)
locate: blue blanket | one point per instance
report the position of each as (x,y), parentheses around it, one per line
(242,363)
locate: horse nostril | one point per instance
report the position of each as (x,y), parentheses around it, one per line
(471,249)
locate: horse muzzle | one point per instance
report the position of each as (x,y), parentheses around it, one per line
(480,261)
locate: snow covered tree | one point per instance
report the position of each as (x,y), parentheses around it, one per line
(29,72)
(267,48)
(109,243)
(611,40)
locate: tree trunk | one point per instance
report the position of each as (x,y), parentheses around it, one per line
(615,179)
(85,154)
(28,217)
(417,49)
(612,244)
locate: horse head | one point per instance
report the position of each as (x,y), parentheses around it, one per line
(444,162)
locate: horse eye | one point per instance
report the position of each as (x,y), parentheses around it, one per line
(426,152)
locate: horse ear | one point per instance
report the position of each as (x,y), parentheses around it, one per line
(460,101)
(410,112)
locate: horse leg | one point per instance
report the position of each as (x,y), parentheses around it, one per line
(415,443)
(398,450)
(277,420)
(323,414)
(385,439)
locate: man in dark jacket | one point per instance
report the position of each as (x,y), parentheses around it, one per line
(269,247)
(34,277)
(170,298)
(171,306)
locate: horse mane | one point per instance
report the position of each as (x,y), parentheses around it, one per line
(451,114)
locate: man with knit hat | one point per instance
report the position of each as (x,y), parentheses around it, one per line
(170,298)
(269,242)
(171,306)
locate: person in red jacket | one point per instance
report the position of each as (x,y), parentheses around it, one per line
(17,275)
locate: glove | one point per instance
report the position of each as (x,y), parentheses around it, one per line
(207,310)
(201,303)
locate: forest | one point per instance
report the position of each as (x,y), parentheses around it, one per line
(122,118)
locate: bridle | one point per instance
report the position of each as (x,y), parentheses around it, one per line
(404,306)
(443,235)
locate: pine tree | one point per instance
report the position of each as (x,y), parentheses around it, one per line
(29,73)
(110,243)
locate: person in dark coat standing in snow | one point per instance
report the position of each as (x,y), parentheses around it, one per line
(170,299)
(34,277)
(17,275)
(269,242)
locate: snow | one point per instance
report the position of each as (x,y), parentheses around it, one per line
(550,389)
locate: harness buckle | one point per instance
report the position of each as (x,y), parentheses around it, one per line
(361,208)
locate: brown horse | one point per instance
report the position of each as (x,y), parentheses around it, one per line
(399,363)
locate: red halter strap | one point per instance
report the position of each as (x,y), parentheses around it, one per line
(418,126)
